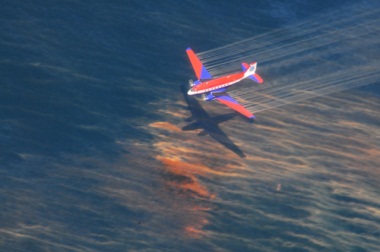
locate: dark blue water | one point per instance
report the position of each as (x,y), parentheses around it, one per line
(80,170)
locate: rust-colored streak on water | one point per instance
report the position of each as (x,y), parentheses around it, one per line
(295,152)
(186,160)
(165,125)
(188,171)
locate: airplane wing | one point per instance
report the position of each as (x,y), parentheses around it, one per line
(200,71)
(230,102)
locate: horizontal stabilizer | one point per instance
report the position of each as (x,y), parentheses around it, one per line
(256,77)
(244,66)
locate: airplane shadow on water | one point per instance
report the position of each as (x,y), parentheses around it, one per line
(208,124)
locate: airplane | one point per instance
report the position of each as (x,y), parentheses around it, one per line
(215,89)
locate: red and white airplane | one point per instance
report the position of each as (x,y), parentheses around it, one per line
(215,89)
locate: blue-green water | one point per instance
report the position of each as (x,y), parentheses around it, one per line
(82,170)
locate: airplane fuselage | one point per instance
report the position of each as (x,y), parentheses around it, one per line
(214,84)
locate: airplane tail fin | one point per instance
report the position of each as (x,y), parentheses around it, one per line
(250,72)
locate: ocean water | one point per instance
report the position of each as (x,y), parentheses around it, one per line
(94,155)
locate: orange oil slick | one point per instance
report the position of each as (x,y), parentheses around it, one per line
(165,126)
(195,232)
(192,184)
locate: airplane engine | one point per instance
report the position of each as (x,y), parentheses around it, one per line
(208,97)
